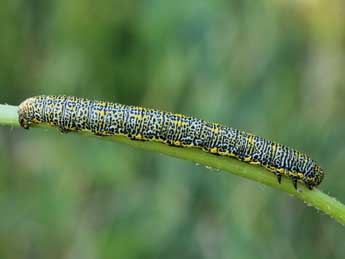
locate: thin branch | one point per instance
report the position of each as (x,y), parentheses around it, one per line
(315,198)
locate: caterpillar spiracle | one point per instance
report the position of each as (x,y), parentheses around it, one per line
(137,123)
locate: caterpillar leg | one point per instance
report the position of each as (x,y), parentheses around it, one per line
(309,186)
(294,182)
(279,177)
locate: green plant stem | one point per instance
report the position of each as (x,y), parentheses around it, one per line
(315,198)
(8,115)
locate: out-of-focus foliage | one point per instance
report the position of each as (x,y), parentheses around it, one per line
(275,68)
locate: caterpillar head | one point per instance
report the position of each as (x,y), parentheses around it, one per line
(29,111)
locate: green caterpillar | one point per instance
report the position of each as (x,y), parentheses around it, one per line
(105,118)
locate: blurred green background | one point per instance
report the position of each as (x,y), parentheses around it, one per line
(274,68)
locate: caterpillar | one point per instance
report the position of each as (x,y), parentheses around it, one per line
(138,123)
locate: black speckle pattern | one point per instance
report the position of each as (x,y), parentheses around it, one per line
(105,119)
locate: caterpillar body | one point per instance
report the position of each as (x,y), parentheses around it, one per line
(106,118)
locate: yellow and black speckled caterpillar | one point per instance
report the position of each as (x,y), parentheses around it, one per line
(137,123)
